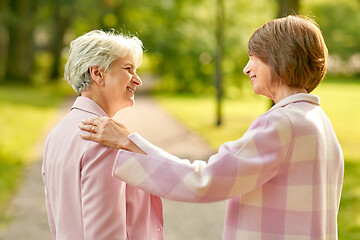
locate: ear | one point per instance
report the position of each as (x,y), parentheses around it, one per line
(97,75)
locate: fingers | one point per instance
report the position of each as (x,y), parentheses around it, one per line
(92,127)
(92,124)
(88,136)
(105,131)
(93,121)
(89,128)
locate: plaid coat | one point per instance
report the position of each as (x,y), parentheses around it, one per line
(283,177)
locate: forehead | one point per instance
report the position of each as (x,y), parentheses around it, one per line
(124,61)
(128,59)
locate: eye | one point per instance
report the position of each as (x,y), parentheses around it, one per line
(128,68)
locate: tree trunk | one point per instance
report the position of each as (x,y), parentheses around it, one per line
(20,57)
(287,7)
(218,59)
(62,21)
(4,8)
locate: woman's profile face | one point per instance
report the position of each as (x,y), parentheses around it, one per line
(121,82)
(260,76)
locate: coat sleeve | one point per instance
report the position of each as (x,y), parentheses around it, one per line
(103,197)
(49,210)
(47,201)
(237,168)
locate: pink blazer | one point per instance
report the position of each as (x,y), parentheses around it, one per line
(83,200)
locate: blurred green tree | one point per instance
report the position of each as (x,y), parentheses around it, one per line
(287,7)
(63,12)
(219,59)
(178,35)
(4,12)
(20,23)
(340,24)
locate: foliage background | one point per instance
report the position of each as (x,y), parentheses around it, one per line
(180,42)
(179,36)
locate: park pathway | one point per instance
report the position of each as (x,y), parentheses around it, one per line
(183,221)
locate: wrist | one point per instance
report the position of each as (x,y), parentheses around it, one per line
(131,146)
(126,144)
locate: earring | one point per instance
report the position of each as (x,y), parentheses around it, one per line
(102,83)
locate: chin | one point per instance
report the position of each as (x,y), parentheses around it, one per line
(256,91)
(130,103)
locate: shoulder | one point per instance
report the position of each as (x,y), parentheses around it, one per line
(96,150)
(293,121)
(65,137)
(273,121)
(294,114)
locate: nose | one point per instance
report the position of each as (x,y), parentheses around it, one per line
(136,80)
(246,69)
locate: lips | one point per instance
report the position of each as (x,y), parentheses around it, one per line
(132,90)
(252,77)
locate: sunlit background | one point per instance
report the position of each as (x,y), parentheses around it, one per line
(181,39)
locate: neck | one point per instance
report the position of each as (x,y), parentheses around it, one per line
(96,95)
(286,91)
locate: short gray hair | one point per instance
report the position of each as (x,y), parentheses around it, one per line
(98,48)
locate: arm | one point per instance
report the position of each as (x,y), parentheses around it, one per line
(103,197)
(239,166)
(49,210)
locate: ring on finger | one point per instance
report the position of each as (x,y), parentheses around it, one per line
(92,129)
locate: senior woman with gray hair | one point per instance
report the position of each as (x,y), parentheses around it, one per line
(83,200)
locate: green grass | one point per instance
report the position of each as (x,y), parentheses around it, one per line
(25,112)
(340,99)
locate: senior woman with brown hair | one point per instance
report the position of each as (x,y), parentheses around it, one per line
(83,200)
(283,177)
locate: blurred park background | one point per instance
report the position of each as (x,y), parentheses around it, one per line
(194,49)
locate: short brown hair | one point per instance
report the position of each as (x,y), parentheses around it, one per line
(294,48)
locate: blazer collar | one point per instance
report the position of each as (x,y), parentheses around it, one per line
(88,105)
(299,97)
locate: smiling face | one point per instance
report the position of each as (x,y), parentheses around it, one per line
(260,77)
(120,83)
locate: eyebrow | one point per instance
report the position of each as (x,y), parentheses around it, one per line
(128,63)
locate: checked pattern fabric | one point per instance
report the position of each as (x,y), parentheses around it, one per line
(282,178)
